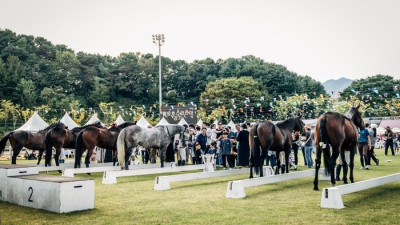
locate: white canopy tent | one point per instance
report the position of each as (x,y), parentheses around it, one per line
(34,124)
(143,122)
(68,121)
(232,125)
(163,121)
(93,120)
(182,122)
(200,122)
(119,120)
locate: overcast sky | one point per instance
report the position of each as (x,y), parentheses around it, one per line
(322,39)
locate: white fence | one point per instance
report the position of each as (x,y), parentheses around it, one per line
(235,189)
(110,177)
(332,197)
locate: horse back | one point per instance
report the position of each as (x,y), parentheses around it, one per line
(335,125)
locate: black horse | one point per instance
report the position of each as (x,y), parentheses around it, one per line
(59,137)
(339,133)
(267,136)
(20,138)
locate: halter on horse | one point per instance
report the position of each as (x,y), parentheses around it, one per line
(271,137)
(339,133)
(159,137)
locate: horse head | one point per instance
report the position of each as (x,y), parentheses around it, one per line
(298,124)
(354,115)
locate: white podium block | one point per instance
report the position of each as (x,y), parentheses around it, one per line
(7,170)
(331,198)
(52,193)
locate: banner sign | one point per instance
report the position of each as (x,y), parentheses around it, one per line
(173,114)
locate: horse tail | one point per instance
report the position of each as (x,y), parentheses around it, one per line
(4,140)
(48,147)
(121,148)
(78,149)
(256,151)
(326,146)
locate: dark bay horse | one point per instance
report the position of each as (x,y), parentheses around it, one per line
(62,138)
(267,136)
(102,138)
(34,141)
(159,137)
(338,133)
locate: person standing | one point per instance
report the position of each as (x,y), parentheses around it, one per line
(389,140)
(372,135)
(244,148)
(295,146)
(364,145)
(233,153)
(202,139)
(308,145)
(225,149)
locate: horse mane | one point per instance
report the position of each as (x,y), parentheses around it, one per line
(286,124)
(78,129)
(121,126)
(58,124)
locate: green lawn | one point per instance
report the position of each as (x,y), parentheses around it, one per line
(133,201)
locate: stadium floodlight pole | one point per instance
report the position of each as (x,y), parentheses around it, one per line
(159,40)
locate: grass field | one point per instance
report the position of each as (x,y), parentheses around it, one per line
(133,201)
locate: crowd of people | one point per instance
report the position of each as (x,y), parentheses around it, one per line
(231,149)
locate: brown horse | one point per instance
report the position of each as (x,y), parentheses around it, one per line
(62,138)
(274,138)
(102,138)
(19,139)
(339,133)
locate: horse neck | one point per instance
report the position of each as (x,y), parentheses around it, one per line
(288,125)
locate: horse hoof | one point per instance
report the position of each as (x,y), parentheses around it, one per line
(59,171)
(316,189)
(89,174)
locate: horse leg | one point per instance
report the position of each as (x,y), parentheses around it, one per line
(251,164)
(335,155)
(128,153)
(263,156)
(351,164)
(278,163)
(344,165)
(114,155)
(57,156)
(317,166)
(162,150)
(40,156)
(88,155)
(287,153)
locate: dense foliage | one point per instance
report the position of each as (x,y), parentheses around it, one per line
(53,79)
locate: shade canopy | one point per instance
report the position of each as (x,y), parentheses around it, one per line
(143,122)
(119,120)
(34,124)
(68,121)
